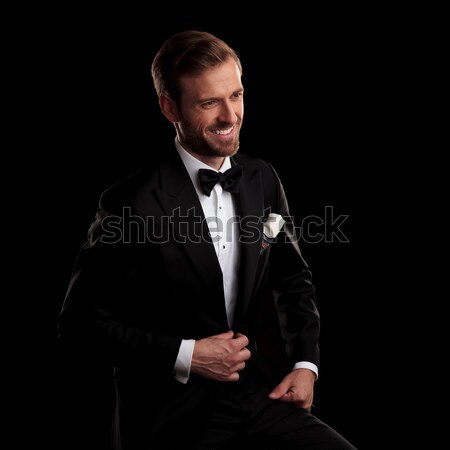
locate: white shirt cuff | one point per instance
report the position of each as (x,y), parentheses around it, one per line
(183,363)
(307,365)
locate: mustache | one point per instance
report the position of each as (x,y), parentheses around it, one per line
(225,124)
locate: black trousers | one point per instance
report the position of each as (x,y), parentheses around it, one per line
(245,417)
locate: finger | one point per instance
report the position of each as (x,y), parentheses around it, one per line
(235,360)
(233,377)
(238,367)
(226,335)
(279,390)
(241,340)
(245,354)
(299,401)
(289,397)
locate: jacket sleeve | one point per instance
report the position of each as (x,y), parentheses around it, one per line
(92,321)
(293,289)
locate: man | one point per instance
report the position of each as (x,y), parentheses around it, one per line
(168,284)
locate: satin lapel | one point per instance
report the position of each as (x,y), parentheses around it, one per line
(250,206)
(180,202)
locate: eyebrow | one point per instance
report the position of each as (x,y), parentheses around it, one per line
(208,99)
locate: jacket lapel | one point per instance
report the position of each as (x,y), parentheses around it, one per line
(250,205)
(179,201)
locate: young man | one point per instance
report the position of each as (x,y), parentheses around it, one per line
(169,282)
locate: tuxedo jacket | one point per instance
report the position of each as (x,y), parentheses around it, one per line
(148,277)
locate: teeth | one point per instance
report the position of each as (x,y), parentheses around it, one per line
(227,131)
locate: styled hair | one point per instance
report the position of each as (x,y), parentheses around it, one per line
(188,53)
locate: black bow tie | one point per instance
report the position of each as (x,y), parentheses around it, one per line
(229,179)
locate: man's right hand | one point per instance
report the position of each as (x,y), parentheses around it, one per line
(220,357)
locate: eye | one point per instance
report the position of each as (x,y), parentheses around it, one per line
(209,104)
(237,95)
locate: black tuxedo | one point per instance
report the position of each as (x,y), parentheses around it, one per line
(132,300)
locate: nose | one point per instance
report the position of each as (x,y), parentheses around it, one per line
(227,114)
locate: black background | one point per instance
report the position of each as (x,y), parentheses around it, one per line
(314,91)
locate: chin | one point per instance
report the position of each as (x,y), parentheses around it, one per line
(224,151)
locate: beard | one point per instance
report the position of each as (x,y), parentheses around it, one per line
(203,143)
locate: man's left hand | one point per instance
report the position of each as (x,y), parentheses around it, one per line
(297,387)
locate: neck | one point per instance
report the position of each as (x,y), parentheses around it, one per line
(212,161)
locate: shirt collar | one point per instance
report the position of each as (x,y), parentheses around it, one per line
(193,165)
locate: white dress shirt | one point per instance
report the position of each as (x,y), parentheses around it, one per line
(220,213)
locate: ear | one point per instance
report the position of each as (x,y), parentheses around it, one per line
(169,108)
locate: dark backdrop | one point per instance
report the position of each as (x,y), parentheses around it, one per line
(311,96)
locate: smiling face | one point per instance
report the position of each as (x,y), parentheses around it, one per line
(210,111)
